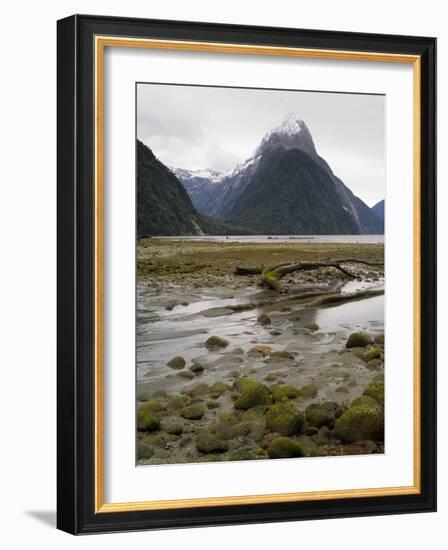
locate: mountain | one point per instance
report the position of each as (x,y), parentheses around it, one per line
(163,205)
(271,207)
(200,185)
(225,197)
(379,209)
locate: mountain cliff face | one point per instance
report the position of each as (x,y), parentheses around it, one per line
(287,182)
(225,196)
(163,205)
(379,209)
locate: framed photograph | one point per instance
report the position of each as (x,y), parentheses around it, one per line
(246,274)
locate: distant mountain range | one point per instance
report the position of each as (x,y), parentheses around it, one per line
(163,205)
(379,209)
(285,187)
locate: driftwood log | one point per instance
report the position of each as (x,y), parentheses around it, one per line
(271,275)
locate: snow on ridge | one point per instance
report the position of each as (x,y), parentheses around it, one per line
(214,176)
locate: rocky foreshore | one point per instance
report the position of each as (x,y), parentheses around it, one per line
(229,371)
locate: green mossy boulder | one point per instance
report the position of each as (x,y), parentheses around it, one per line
(358,340)
(255,413)
(193,412)
(207,442)
(187,374)
(308,391)
(373,353)
(224,431)
(177,402)
(312,326)
(283,393)
(219,388)
(216,342)
(259,351)
(170,426)
(147,420)
(144,451)
(152,406)
(285,447)
(318,415)
(199,390)
(177,362)
(254,394)
(359,423)
(197,368)
(364,400)
(375,390)
(284,418)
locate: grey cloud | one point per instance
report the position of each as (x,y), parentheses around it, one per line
(198,127)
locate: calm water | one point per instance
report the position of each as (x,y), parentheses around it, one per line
(364,239)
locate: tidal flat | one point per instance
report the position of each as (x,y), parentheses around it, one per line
(228,369)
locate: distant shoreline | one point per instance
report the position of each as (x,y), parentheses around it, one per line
(337,239)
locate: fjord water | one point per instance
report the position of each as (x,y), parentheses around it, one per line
(355,239)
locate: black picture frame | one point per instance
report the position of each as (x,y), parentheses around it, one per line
(76,262)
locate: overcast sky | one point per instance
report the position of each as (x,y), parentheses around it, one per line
(198,127)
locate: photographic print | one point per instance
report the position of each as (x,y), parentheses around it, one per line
(260,274)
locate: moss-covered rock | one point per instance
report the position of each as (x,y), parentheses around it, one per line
(187,374)
(207,442)
(199,390)
(147,420)
(283,393)
(219,388)
(373,353)
(375,390)
(216,342)
(312,326)
(358,340)
(255,413)
(308,391)
(177,362)
(379,377)
(224,431)
(177,402)
(379,339)
(364,400)
(284,418)
(286,447)
(254,394)
(360,422)
(153,406)
(144,451)
(259,351)
(197,368)
(318,415)
(228,417)
(171,426)
(193,412)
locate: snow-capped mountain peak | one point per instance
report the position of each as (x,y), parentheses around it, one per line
(292,133)
(290,125)
(213,176)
